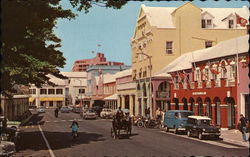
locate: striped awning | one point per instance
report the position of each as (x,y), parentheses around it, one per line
(52,99)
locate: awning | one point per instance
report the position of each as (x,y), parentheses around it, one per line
(112,97)
(31,99)
(52,99)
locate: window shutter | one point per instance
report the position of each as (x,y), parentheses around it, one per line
(220,73)
(228,68)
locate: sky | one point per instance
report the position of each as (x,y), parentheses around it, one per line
(112,29)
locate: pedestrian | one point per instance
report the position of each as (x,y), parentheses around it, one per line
(147,112)
(158,114)
(4,124)
(243,126)
(56,112)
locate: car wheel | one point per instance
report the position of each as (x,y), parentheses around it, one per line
(188,133)
(200,136)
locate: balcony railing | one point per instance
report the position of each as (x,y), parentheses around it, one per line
(199,84)
(185,85)
(217,83)
(162,94)
(230,82)
(192,85)
(176,85)
(208,84)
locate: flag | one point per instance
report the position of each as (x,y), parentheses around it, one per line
(240,20)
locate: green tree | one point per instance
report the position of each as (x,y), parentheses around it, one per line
(29,50)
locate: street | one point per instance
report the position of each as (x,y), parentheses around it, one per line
(95,140)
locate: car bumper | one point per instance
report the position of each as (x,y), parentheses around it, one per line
(181,129)
(210,134)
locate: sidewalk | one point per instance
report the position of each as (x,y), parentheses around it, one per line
(234,136)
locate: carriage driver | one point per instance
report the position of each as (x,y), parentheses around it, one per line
(119,114)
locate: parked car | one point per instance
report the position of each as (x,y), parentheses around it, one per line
(77,110)
(106,113)
(176,120)
(41,109)
(10,124)
(11,135)
(201,126)
(64,109)
(88,114)
(97,109)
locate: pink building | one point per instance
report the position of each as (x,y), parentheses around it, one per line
(100,59)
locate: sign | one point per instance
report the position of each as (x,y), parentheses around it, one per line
(199,93)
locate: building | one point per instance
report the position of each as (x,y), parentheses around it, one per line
(100,59)
(213,82)
(95,96)
(75,90)
(48,95)
(164,33)
(126,91)
(16,107)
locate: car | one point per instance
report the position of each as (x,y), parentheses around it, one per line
(40,109)
(7,148)
(89,114)
(76,110)
(176,120)
(64,109)
(106,113)
(10,124)
(201,126)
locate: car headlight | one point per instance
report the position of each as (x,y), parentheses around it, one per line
(203,129)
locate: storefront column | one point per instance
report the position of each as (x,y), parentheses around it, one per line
(118,100)
(213,114)
(131,104)
(181,106)
(189,106)
(196,108)
(205,110)
(172,106)
(123,101)
(223,110)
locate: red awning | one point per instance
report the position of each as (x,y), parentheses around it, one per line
(214,71)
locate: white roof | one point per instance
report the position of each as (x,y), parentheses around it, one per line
(112,97)
(74,74)
(162,74)
(123,73)
(57,81)
(108,78)
(78,82)
(161,16)
(200,117)
(225,48)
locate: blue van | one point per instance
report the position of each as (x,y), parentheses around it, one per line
(176,120)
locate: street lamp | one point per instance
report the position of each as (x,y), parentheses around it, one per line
(150,86)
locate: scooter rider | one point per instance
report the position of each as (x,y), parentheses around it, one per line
(56,112)
(74,126)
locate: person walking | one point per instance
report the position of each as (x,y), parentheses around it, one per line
(243,122)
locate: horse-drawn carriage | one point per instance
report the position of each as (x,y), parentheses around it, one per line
(121,124)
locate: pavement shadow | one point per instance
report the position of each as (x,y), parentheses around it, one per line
(34,120)
(57,140)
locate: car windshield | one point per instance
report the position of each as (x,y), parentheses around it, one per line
(184,114)
(204,122)
(91,111)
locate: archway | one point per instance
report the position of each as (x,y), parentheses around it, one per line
(185,106)
(208,107)
(176,101)
(231,111)
(200,106)
(217,103)
(191,101)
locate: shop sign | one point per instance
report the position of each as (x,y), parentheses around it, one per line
(199,93)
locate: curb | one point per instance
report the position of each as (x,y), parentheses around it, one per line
(244,144)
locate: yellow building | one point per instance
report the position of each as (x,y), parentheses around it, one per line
(164,33)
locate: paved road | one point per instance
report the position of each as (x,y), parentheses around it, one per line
(95,140)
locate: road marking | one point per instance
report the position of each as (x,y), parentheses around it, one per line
(47,121)
(209,142)
(47,143)
(63,120)
(55,121)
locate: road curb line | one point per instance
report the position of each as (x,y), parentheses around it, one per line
(46,141)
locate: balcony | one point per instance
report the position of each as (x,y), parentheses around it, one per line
(230,82)
(208,84)
(199,84)
(217,83)
(176,85)
(192,85)
(162,94)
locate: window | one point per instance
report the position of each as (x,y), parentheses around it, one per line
(233,72)
(208,44)
(169,47)
(30,91)
(43,91)
(51,91)
(59,91)
(206,23)
(230,23)
(81,91)
(51,103)
(34,91)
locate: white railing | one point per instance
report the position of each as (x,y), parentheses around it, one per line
(199,84)
(217,83)
(208,84)
(185,85)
